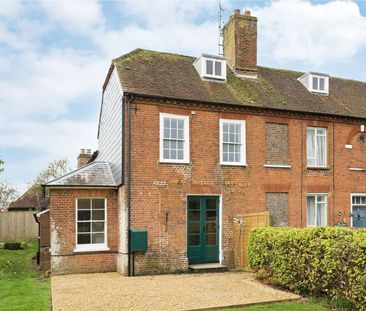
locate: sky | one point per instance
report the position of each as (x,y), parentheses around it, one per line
(54,56)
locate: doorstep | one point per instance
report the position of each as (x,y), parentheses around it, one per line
(207,267)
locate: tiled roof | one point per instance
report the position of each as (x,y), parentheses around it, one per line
(95,174)
(173,76)
(31,199)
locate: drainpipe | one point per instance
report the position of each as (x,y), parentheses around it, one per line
(129,174)
(39,238)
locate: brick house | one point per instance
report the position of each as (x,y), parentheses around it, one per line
(187,143)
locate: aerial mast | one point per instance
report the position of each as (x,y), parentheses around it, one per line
(220,37)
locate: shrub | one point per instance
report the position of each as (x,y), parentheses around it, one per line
(316,261)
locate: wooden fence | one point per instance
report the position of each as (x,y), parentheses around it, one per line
(18,226)
(243,225)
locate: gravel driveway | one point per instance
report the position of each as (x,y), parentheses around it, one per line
(111,291)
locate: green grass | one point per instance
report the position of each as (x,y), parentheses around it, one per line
(310,304)
(22,287)
(288,306)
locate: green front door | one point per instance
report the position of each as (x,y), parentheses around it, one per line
(203,229)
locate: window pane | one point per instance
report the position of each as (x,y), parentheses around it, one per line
(166,123)
(218,68)
(210,215)
(310,146)
(166,154)
(194,227)
(83,227)
(180,155)
(315,83)
(98,215)
(321,84)
(194,215)
(211,227)
(321,212)
(83,215)
(84,238)
(311,210)
(97,238)
(211,239)
(180,124)
(173,134)
(98,227)
(166,133)
(194,203)
(320,152)
(180,134)
(98,203)
(174,123)
(225,127)
(83,203)
(209,67)
(194,240)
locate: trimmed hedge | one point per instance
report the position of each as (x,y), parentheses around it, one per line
(314,261)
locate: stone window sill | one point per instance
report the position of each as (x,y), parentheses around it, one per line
(327,168)
(91,248)
(286,166)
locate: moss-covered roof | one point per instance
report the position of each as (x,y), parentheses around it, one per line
(168,75)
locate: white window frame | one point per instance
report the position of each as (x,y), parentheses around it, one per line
(243,158)
(186,151)
(326,208)
(316,146)
(351,203)
(213,75)
(318,90)
(91,247)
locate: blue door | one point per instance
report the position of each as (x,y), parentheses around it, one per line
(359,211)
(359,217)
(203,229)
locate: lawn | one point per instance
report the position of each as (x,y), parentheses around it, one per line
(288,306)
(22,287)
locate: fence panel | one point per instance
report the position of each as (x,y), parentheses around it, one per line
(18,226)
(243,225)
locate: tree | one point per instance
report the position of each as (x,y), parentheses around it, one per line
(55,169)
(7,195)
(1,165)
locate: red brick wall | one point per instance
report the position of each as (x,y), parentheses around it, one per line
(64,259)
(45,259)
(159,190)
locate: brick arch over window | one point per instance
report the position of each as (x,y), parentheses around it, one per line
(357,155)
(354,132)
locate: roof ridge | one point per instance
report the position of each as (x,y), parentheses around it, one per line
(138,50)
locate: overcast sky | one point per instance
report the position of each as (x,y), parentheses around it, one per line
(54,56)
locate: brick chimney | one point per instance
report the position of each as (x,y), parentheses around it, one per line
(240,44)
(83,157)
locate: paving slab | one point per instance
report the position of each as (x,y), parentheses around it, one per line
(114,292)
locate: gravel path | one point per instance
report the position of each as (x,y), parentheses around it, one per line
(112,292)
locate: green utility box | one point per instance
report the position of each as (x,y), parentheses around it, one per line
(138,240)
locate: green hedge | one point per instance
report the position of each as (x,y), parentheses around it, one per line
(316,261)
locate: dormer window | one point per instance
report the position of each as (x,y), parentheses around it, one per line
(212,68)
(316,83)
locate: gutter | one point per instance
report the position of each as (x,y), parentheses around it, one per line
(39,238)
(129,175)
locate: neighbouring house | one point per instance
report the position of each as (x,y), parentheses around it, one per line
(187,143)
(31,200)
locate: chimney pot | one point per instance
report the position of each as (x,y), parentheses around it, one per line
(236,12)
(247,13)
